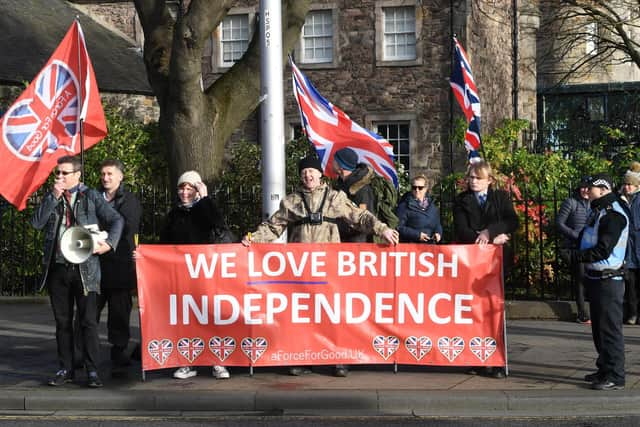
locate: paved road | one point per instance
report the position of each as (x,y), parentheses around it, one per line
(547,362)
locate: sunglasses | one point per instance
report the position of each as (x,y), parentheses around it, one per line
(418,187)
(65,173)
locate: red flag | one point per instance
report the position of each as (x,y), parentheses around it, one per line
(43,124)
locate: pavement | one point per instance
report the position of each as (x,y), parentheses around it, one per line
(548,357)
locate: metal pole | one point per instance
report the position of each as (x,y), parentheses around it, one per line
(80,100)
(272,107)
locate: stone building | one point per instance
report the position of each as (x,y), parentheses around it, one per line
(386,63)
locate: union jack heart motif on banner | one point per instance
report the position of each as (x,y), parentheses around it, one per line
(253,348)
(160,350)
(483,348)
(419,347)
(190,348)
(385,346)
(222,347)
(450,347)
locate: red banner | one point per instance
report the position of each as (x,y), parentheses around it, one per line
(321,304)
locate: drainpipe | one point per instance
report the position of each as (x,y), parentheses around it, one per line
(516,83)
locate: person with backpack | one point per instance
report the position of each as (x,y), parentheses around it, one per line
(571,219)
(419,217)
(311,215)
(355,180)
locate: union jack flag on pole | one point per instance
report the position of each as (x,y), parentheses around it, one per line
(43,124)
(329,129)
(465,90)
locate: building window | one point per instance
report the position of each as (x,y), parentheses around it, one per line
(398,134)
(399,33)
(317,37)
(592,38)
(234,38)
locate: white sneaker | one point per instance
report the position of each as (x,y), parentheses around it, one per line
(220,372)
(184,373)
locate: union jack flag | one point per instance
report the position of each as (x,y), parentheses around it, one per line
(329,129)
(222,347)
(465,90)
(190,349)
(29,126)
(253,348)
(160,350)
(450,347)
(482,347)
(385,346)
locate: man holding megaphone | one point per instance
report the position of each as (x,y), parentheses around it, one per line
(71,269)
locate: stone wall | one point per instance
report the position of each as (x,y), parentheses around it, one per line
(117,16)
(135,107)
(141,108)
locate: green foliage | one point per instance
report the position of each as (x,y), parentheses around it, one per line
(138,146)
(240,185)
(534,180)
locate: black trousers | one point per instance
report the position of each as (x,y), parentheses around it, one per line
(631,292)
(65,289)
(118,319)
(607,299)
(577,273)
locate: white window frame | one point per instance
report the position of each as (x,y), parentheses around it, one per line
(218,65)
(232,41)
(372,121)
(591,38)
(299,55)
(382,58)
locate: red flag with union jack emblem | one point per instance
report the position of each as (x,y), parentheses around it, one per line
(43,124)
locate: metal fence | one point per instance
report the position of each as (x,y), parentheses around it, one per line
(538,271)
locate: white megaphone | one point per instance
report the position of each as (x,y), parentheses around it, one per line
(78,243)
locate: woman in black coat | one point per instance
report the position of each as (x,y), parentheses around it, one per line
(195,220)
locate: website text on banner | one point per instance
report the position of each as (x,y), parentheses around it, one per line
(277,305)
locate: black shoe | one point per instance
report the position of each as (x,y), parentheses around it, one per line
(340,371)
(136,354)
(296,371)
(62,377)
(497,373)
(93,380)
(607,385)
(473,371)
(592,378)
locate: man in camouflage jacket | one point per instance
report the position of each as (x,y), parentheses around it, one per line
(311,213)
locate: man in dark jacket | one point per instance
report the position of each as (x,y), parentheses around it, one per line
(118,268)
(571,219)
(484,215)
(354,179)
(71,203)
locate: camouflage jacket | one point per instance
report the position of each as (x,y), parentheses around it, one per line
(293,216)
